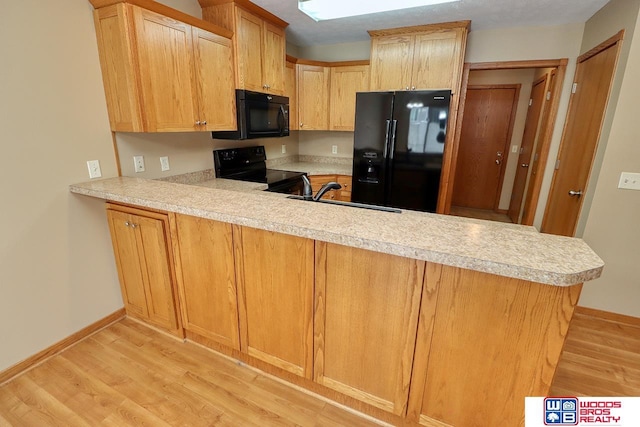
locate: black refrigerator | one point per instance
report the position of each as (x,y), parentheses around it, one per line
(398,147)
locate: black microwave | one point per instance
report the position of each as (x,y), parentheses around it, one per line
(260,115)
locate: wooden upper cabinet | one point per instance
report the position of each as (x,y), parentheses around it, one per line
(313,97)
(345,82)
(291,91)
(259,42)
(213,59)
(162,74)
(415,58)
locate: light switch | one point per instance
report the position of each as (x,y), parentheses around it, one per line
(629,180)
(94,169)
(164,163)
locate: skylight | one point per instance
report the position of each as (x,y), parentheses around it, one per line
(321,10)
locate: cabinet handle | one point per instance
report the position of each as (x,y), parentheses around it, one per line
(204,123)
(406,88)
(197,122)
(301,125)
(126,223)
(413,88)
(264,86)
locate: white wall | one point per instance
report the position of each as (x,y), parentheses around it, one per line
(612,225)
(57,273)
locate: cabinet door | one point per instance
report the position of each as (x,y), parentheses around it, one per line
(345,82)
(213,62)
(273,58)
(113,32)
(140,242)
(125,250)
(249,52)
(166,72)
(344,194)
(313,97)
(391,61)
(206,279)
(317,181)
(437,60)
(275,283)
(291,90)
(365,323)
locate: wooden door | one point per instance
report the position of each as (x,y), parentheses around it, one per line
(437,60)
(249,51)
(313,97)
(206,279)
(593,79)
(275,284)
(273,58)
(166,72)
(125,250)
(531,126)
(528,210)
(366,316)
(391,62)
(485,135)
(213,62)
(291,90)
(345,82)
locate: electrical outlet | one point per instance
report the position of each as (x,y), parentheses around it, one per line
(164,163)
(284,148)
(94,169)
(138,163)
(629,180)
(334,149)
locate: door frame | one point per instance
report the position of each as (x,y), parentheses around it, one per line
(506,152)
(449,167)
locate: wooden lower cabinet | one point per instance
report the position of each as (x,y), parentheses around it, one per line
(365,319)
(206,279)
(145,266)
(275,285)
(485,342)
(344,194)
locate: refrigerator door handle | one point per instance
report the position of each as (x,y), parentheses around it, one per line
(386,139)
(393,138)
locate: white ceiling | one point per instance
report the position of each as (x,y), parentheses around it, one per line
(484,14)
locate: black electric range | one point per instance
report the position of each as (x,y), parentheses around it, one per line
(249,164)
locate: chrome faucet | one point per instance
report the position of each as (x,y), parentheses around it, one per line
(307,193)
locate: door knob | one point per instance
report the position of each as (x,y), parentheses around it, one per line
(525,165)
(575,193)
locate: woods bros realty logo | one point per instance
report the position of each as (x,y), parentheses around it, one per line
(582,411)
(567,411)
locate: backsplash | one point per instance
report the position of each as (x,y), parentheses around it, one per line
(188,151)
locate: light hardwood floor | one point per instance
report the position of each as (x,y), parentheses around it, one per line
(128,374)
(600,357)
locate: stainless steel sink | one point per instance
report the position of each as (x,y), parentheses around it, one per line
(349,204)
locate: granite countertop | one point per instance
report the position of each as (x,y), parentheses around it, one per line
(507,250)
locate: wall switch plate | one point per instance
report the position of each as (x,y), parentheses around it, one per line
(629,180)
(164,163)
(284,148)
(514,148)
(94,169)
(138,163)
(334,149)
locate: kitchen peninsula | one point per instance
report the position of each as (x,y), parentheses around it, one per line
(408,317)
